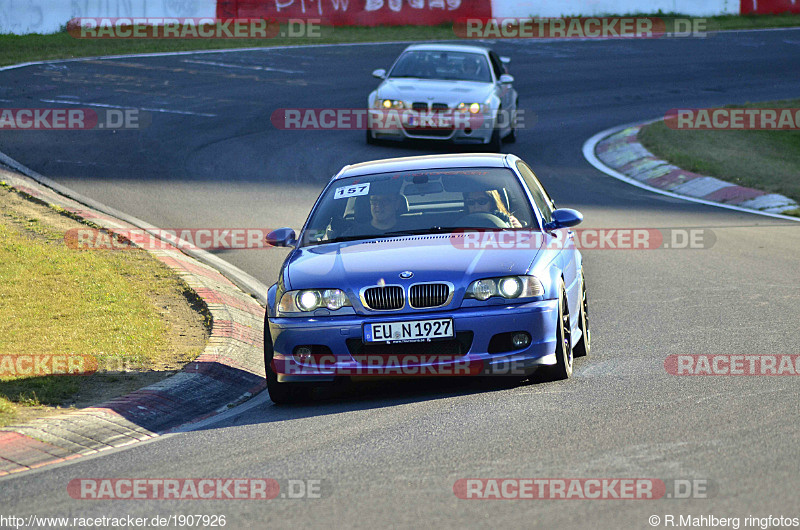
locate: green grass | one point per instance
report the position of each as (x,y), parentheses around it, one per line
(729,22)
(21,48)
(57,300)
(765,160)
(754,21)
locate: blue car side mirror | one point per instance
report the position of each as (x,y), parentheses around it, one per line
(282,237)
(564,218)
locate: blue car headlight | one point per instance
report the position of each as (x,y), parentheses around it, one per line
(306,300)
(506,286)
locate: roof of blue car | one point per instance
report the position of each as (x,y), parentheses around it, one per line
(411,163)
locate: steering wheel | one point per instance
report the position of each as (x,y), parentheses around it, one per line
(483,220)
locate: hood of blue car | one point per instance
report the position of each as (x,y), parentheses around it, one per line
(440,257)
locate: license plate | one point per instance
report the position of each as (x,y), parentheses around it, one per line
(409,331)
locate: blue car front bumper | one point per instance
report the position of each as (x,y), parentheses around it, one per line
(477,330)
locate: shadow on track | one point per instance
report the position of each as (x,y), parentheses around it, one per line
(376,394)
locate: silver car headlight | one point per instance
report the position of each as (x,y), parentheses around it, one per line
(473,108)
(506,286)
(390,104)
(306,300)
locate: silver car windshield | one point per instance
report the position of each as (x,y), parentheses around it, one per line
(452,66)
(419,202)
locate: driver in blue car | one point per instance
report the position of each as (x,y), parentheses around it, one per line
(375,215)
(384,209)
(489,201)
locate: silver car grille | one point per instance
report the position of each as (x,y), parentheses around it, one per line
(384,298)
(424,295)
(423,106)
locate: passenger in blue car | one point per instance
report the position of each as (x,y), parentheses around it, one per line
(489,201)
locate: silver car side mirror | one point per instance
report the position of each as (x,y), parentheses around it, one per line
(380,73)
(506,79)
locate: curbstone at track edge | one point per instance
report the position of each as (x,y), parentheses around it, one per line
(229,370)
(617,153)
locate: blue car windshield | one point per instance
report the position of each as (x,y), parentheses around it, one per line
(419,202)
(451,66)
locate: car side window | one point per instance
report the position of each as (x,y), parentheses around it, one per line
(543,201)
(497,65)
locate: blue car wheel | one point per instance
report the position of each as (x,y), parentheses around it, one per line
(584,345)
(563,367)
(282,393)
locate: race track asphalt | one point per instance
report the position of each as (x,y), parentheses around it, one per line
(390,454)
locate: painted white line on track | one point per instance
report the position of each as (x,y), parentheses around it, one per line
(589,155)
(108,106)
(244,67)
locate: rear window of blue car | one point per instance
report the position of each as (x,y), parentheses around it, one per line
(421,201)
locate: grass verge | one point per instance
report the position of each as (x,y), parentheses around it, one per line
(21,48)
(124,309)
(764,160)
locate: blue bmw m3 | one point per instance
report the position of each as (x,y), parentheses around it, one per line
(430,265)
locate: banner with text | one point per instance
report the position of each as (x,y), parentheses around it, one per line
(358,12)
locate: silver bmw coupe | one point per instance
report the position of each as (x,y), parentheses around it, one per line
(445,92)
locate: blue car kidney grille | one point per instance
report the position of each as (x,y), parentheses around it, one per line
(429,295)
(384,298)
